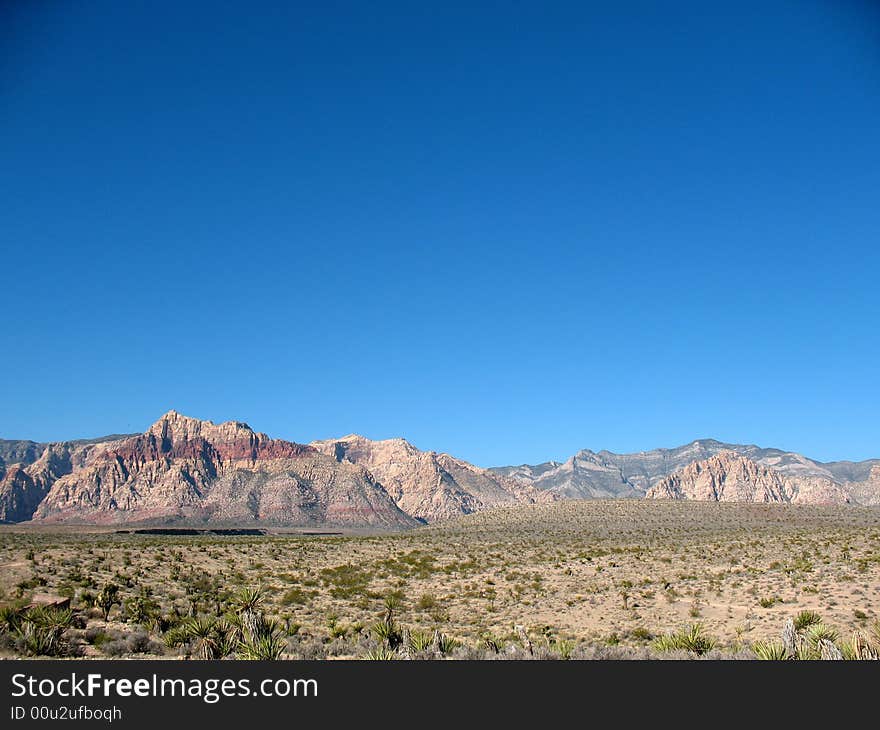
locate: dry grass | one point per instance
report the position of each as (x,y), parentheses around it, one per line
(576,575)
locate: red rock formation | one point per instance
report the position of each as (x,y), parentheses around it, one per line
(184,469)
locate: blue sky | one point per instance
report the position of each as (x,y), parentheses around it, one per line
(503,230)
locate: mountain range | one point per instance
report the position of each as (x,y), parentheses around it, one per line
(188,471)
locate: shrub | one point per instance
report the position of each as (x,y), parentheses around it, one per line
(420,641)
(263,648)
(140,643)
(805,619)
(95,636)
(692,639)
(387,632)
(381,655)
(564,648)
(770,650)
(295,596)
(115,648)
(11,617)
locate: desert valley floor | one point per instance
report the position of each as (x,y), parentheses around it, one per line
(580,579)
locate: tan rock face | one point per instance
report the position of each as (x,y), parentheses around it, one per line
(731,477)
(24,486)
(184,469)
(425,484)
(867,492)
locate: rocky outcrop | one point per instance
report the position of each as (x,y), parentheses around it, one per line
(731,477)
(425,484)
(867,491)
(604,474)
(186,470)
(590,474)
(24,485)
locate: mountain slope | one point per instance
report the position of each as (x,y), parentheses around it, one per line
(24,485)
(731,477)
(425,484)
(186,470)
(591,474)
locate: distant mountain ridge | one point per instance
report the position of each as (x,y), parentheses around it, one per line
(588,474)
(185,470)
(731,477)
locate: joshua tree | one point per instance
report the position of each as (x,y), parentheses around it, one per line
(248,605)
(107,597)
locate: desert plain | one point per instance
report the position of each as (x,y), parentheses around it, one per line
(576,579)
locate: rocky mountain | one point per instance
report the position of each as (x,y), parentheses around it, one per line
(731,477)
(186,470)
(26,482)
(866,491)
(425,484)
(19,452)
(25,453)
(590,474)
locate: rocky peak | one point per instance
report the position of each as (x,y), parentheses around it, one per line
(186,469)
(174,426)
(728,476)
(425,484)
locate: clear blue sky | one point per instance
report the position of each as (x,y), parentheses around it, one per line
(504,230)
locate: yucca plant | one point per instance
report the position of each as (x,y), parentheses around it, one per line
(392,604)
(175,636)
(263,648)
(50,617)
(37,640)
(445,644)
(228,638)
(40,629)
(493,643)
(388,633)
(667,642)
(805,619)
(420,641)
(249,599)
(770,650)
(266,627)
(874,636)
(564,648)
(380,654)
(859,648)
(820,632)
(828,650)
(248,605)
(202,633)
(11,617)
(692,639)
(234,625)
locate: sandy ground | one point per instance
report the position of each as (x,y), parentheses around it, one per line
(598,571)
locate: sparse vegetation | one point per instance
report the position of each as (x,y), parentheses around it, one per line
(617,579)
